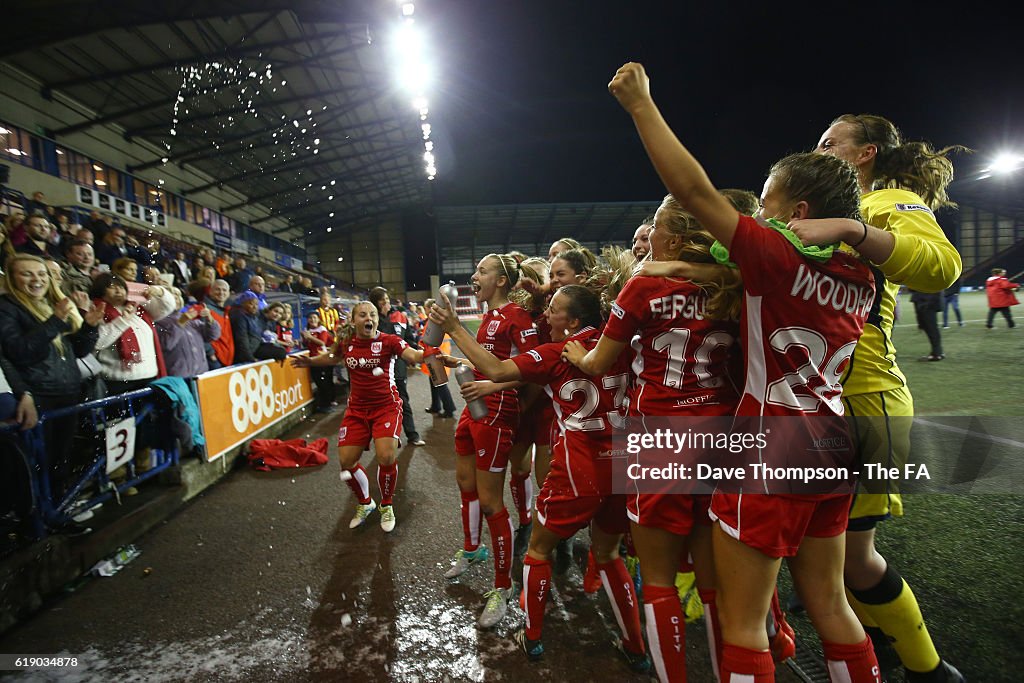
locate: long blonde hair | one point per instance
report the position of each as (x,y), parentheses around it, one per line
(724,290)
(41,309)
(531,302)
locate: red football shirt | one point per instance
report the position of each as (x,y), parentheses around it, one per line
(680,358)
(587,409)
(362,357)
(505,332)
(801,321)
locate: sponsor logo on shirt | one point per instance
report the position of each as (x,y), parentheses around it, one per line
(534,355)
(492,327)
(351,362)
(617,311)
(913,207)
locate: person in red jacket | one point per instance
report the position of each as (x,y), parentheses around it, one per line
(1000,296)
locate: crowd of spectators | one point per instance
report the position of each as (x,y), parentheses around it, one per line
(100,309)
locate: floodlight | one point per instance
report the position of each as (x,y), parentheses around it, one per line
(1006,162)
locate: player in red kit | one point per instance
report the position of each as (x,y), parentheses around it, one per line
(483,445)
(578,488)
(374,408)
(796,341)
(682,334)
(536,416)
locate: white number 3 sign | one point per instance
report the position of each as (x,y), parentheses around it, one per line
(120,443)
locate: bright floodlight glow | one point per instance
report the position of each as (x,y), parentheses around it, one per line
(1006,162)
(412,71)
(407,9)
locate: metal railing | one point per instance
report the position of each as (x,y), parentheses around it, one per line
(54,509)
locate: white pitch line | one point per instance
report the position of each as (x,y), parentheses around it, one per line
(968,432)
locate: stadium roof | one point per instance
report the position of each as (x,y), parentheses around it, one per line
(273,99)
(506,226)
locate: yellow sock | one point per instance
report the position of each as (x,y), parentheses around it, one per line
(860,610)
(901,619)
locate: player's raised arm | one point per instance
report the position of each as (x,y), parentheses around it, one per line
(682,174)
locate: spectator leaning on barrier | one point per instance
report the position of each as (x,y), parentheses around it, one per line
(184,334)
(222,350)
(41,334)
(128,348)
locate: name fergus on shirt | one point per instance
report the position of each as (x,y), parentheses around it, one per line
(689,306)
(828,291)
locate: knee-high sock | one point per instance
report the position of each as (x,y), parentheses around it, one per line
(740,665)
(853,663)
(860,611)
(471,521)
(500,526)
(713,627)
(360,484)
(537,584)
(894,608)
(387,478)
(521,487)
(666,632)
(618,584)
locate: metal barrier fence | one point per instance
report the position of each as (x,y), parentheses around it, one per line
(108,426)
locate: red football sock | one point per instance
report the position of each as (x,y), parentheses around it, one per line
(500,526)
(591,579)
(854,663)
(666,632)
(360,484)
(522,495)
(537,584)
(740,665)
(387,479)
(618,584)
(713,628)
(471,521)
(775,614)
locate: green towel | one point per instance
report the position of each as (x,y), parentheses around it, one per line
(721,254)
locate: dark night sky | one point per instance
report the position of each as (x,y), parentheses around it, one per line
(521,112)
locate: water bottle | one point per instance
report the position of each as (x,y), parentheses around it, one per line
(435,368)
(477,408)
(433,334)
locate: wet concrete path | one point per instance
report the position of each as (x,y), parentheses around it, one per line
(260,579)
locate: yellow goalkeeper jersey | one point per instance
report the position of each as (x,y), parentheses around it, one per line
(922,259)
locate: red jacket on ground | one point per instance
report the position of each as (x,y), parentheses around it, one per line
(268,454)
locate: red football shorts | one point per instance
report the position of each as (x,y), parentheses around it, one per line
(776,525)
(535,425)
(358,428)
(564,513)
(490,444)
